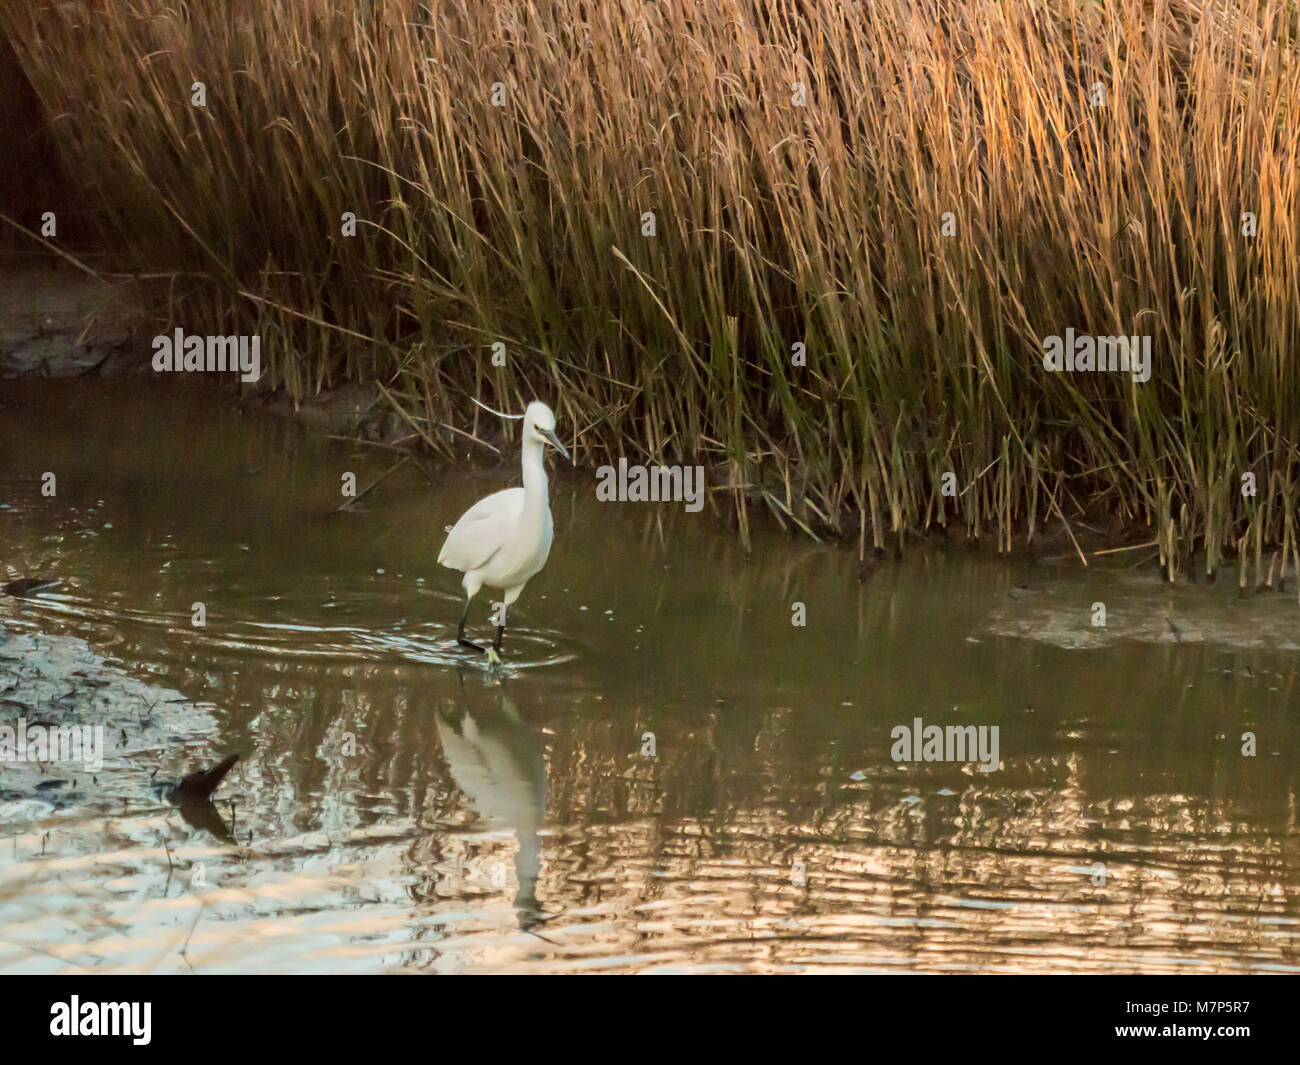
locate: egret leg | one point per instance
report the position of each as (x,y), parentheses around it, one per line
(460,631)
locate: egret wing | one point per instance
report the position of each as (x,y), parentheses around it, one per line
(481,530)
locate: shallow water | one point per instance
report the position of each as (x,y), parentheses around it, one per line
(398,807)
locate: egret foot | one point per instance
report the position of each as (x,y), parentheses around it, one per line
(494,659)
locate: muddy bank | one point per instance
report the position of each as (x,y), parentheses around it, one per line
(56,321)
(121,743)
(1112,605)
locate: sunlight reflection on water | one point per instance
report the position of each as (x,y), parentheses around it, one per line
(666,776)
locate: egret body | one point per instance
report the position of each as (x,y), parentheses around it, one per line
(503,540)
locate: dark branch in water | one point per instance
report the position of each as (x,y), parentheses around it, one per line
(201,784)
(373,484)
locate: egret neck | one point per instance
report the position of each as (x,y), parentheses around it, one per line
(534,477)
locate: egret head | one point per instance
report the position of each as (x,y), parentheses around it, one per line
(539,426)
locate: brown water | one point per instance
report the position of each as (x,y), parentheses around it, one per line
(519,821)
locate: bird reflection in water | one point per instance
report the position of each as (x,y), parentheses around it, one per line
(499,763)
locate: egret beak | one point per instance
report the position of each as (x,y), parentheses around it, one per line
(554,441)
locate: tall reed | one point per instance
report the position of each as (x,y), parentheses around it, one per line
(917,191)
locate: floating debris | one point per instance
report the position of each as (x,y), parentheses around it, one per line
(28,586)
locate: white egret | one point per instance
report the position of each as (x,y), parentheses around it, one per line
(503,540)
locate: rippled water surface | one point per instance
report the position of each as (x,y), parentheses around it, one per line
(667,776)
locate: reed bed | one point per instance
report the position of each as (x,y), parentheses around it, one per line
(917,191)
